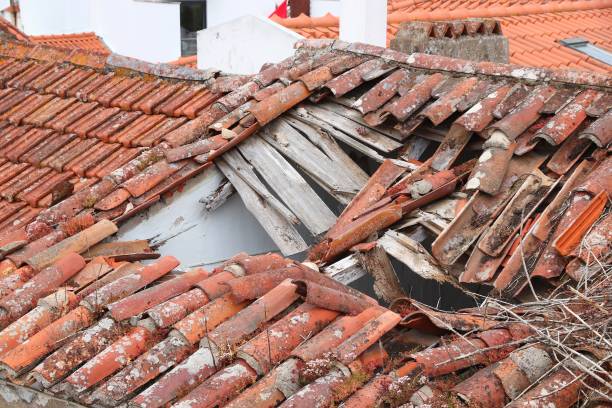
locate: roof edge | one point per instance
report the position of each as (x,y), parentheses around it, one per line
(449,64)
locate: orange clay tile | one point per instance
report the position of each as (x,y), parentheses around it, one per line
(196,325)
(109,361)
(76,243)
(571,236)
(331,299)
(173,310)
(221,387)
(146,367)
(129,284)
(79,350)
(49,309)
(271,389)
(82,41)
(46,340)
(276,343)
(42,284)
(250,319)
(366,336)
(136,304)
(334,334)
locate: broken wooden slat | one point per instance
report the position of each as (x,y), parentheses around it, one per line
(298,149)
(413,255)
(364,134)
(386,283)
(284,235)
(303,116)
(122,251)
(332,150)
(245,172)
(289,185)
(356,116)
(218,197)
(346,270)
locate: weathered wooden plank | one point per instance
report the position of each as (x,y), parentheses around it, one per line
(218,197)
(356,116)
(332,150)
(298,149)
(289,185)
(346,270)
(364,134)
(246,173)
(386,283)
(413,255)
(303,116)
(284,235)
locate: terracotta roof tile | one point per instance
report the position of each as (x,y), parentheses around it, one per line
(84,41)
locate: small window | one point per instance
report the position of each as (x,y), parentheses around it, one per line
(585,47)
(193,19)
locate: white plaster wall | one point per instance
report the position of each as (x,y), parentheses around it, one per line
(199,237)
(319,8)
(222,11)
(55,16)
(364,21)
(144,30)
(243,45)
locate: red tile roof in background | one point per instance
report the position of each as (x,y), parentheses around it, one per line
(533,28)
(190,61)
(10,29)
(84,41)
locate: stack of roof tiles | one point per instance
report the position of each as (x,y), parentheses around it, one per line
(534,28)
(83,41)
(257,331)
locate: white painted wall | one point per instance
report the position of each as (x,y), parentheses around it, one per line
(199,237)
(148,31)
(364,21)
(243,45)
(319,8)
(41,17)
(145,30)
(222,11)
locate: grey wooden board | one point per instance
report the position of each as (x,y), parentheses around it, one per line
(282,232)
(284,138)
(330,147)
(356,116)
(346,270)
(413,255)
(288,185)
(364,134)
(246,173)
(303,116)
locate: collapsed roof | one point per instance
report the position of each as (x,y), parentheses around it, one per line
(505,163)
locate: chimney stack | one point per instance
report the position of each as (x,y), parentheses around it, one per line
(364,21)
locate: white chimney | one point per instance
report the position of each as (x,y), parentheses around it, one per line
(364,21)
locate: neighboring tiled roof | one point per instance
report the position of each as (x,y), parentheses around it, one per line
(190,61)
(83,41)
(259,331)
(10,30)
(533,29)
